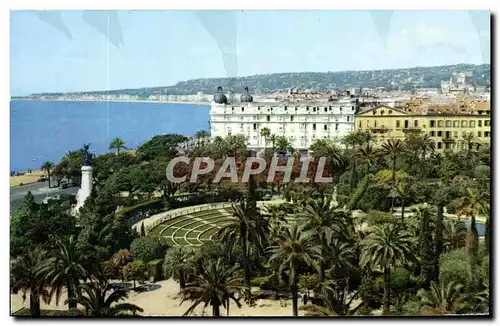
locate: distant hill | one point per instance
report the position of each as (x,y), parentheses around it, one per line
(409,78)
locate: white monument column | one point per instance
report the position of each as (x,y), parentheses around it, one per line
(86,186)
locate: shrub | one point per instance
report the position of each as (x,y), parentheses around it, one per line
(453,267)
(400,279)
(148,248)
(261,282)
(135,271)
(308,281)
(155,269)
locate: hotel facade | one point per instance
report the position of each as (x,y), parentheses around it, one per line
(302,123)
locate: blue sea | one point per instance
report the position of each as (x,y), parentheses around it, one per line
(44,131)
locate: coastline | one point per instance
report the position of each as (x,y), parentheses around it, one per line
(111,100)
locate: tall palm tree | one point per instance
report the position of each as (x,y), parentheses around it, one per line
(442,298)
(295,246)
(266,133)
(97,303)
(388,246)
(47,167)
(393,149)
(117,144)
(325,223)
(177,263)
(64,268)
(246,230)
(328,149)
(25,276)
(366,155)
(274,139)
(215,285)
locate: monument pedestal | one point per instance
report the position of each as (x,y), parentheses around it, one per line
(86,187)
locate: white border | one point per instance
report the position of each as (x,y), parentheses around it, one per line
(187,4)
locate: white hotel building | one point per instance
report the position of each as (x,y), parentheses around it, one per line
(302,123)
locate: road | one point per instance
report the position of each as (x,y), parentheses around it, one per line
(40,190)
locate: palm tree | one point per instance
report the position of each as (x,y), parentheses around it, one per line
(201,136)
(365,155)
(215,285)
(97,303)
(325,223)
(117,144)
(247,230)
(328,149)
(393,149)
(469,140)
(388,246)
(64,268)
(442,298)
(273,138)
(295,247)
(283,145)
(331,306)
(177,263)
(266,133)
(47,167)
(455,234)
(25,276)
(426,143)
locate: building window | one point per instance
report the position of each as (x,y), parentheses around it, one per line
(348,119)
(382,112)
(479,134)
(433,123)
(416,123)
(440,123)
(406,123)
(336,126)
(398,123)
(486,134)
(291,118)
(455,134)
(448,124)
(268,118)
(325,127)
(464,124)
(375,123)
(472,124)
(254,126)
(479,123)
(242,109)
(390,111)
(486,123)
(374,112)
(326,109)
(440,145)
(433,133)
(360,124)
(314,126)
(440,133)
(456,124)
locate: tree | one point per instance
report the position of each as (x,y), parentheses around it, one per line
(322,219)
(201,137)
(330,305)
(148,248)
(365,155)
(214,284)
(135,271)
(266,133)
(393,149)
(177,263)
(388,246)
(25,276)
(64,268)
(295,246)
(328,149)
(454,235)
(246,230)
(426,249)
(117,144)
(283,145)
(47,167)
(469,140)
(442,298)
(97,302)
(120,259)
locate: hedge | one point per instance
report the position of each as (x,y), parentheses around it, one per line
(154,268)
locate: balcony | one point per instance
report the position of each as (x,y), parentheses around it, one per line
(410,130)
(379,130)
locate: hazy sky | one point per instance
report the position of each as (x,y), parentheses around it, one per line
(97,50)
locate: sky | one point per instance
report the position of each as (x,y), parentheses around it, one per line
(67,51)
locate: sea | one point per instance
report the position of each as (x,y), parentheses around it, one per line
(45,130)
